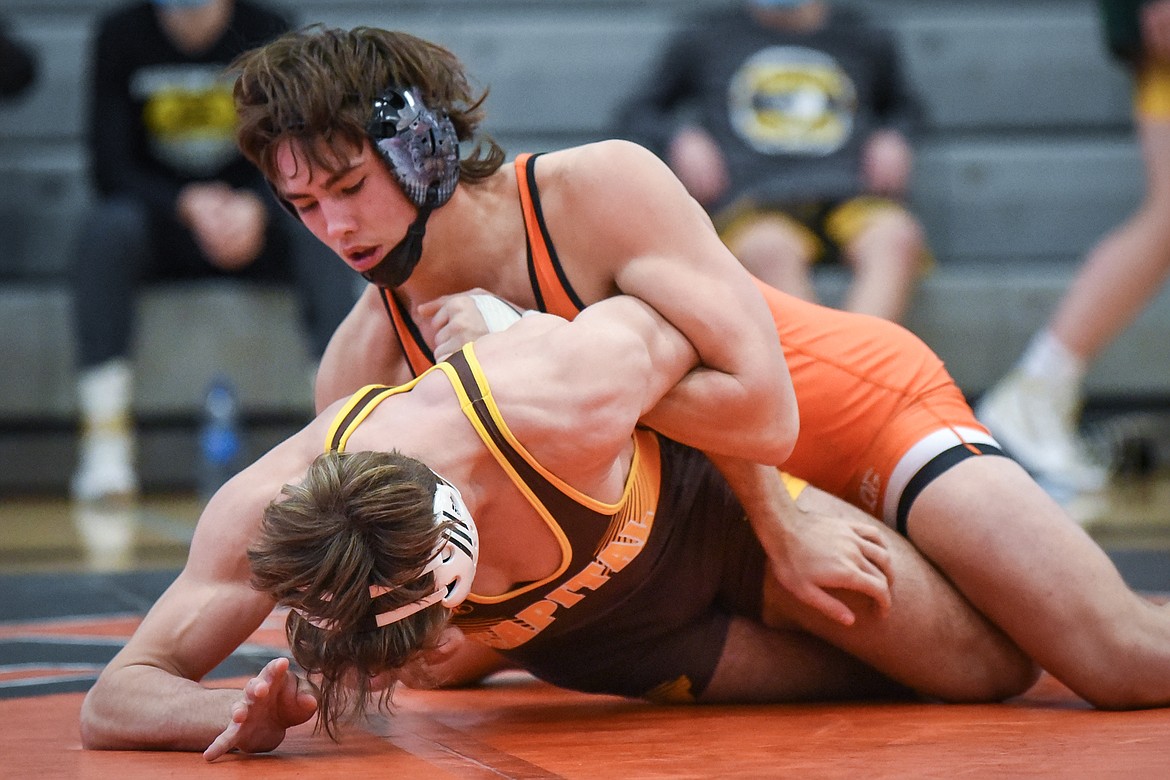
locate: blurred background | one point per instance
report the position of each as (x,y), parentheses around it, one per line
(1026,156)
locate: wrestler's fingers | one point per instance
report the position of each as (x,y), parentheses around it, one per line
(829,606)
(869,533)
(305,697)
(866,579)
(876,585)
(275,668)
(881,557)
(431,307)
(222,744)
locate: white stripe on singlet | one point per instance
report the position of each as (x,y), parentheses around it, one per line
(927,449)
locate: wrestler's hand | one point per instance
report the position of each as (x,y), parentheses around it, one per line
(455,661)
(456,320)
(273,701)
(817,553)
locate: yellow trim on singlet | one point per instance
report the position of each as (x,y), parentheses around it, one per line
(343,418)
(600,507)
(794,485)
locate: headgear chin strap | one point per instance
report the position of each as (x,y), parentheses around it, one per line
(421,148)
(453,565)
(398,264)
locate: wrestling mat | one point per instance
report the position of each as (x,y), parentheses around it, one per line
(57,630)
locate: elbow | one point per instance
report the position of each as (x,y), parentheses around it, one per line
(789,430)
(94,734)
(99,722)
(778,429)
(777,446)
(767,440)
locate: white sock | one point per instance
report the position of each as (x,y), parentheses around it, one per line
(104,393)
(1049,359)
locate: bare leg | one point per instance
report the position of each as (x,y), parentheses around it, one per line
(1014,553)
(885,257)
(761,664)
(932,641)
(1128,267)
(774,254)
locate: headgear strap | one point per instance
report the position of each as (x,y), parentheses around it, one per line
(421,148)
(453,564)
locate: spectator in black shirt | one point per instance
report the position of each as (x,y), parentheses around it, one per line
(788,120)
(176,200)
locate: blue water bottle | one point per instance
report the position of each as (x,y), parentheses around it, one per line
(220,436)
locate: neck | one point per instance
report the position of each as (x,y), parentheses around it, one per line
(472,241)
(195,30)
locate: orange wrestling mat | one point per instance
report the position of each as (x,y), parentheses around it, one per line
(515,727)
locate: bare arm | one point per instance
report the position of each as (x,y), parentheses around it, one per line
(363,350)
(456,662)
(576,390)
(738,406)
(149,696)
(811,553)
(630,212)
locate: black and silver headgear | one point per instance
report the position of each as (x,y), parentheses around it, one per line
(420,145)
(421,148)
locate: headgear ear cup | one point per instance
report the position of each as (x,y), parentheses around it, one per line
(420,146)
(421,149)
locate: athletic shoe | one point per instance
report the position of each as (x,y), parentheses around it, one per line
(105,468)
(1035,421)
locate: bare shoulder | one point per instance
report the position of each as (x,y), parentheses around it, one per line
(608,164)
(362,351)
(610,202)
(233,516)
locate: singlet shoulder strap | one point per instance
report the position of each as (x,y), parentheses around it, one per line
(418,355)
(551,287)
(526,471)
(356,409)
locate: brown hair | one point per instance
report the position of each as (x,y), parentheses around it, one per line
(319,84)
(357,519)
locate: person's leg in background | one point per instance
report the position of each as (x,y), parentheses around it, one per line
(882,243)
(885,247)
(112,251)
(774,248)
(1035,409)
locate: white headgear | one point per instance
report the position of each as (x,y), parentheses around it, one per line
(453,564)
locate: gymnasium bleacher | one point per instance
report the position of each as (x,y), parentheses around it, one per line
(1027,157)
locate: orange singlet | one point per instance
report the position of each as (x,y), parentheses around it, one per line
(880,417)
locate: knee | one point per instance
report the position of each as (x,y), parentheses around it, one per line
(770,244)
(901,239)
(992,678)
(982,666)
